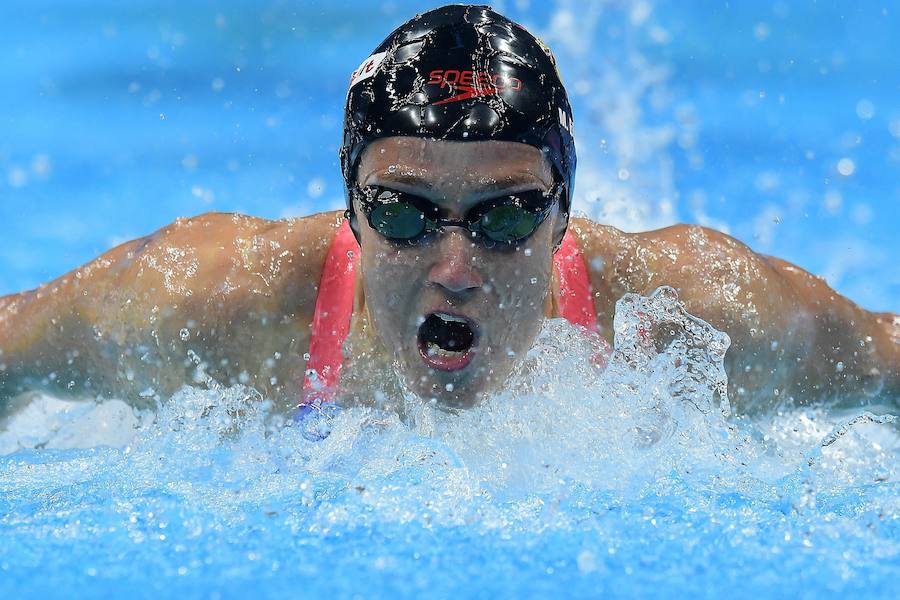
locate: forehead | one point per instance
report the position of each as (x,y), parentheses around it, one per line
(486,162)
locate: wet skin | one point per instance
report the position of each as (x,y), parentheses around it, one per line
(236,295)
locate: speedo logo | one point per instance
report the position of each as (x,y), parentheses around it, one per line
(472,84)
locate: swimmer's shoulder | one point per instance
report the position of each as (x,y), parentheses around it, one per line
(254,238)
(309,231)
(221,261)
(695,260)
(595,239)
(635,254)
(608,239)
(284,256)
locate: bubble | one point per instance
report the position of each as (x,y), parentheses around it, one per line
(190,162)
(865,110)
(184,334)
(861,214)
(846,167)
(204,194)
(894,127)
(761,31)
(587,562)
(833,202)
(17,177)
(41,166)
(316,187)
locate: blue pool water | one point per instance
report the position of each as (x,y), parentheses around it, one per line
(777,122)
(116,119)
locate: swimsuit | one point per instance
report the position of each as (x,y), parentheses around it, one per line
(334,307)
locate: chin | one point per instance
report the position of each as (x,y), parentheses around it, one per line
(458,390)
(456,400)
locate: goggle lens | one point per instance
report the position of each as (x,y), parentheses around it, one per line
(398,220)
(402,217)
(508,223)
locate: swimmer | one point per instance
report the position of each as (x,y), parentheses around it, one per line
(459,163)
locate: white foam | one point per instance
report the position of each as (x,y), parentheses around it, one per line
(657,417)
(48,422)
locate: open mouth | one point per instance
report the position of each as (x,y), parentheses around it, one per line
(447,342)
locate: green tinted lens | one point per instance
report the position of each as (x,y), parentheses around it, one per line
(508,223)
(398,220)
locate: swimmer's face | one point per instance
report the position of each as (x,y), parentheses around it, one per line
(456,312)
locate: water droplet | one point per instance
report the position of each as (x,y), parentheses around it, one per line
(184,334)
(865,110)
(846,167)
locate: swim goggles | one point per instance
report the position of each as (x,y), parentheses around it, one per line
(404,217)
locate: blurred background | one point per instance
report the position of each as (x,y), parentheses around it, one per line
(776,122)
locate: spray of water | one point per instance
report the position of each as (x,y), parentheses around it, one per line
(571,466)
(659,408)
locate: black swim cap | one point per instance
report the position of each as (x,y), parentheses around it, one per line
(461,73)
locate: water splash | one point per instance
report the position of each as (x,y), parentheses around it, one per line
(628,121)
(571,465)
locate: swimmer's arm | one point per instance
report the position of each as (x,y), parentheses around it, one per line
(791,334)
(857,351)
(233,293)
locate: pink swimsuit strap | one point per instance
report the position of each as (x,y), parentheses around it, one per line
(576,302)
(334,307)
(331,319)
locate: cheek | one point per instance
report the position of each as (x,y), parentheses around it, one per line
(520,301)
(521,280)
(392,281)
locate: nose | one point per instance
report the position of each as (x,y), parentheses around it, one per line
(454,269)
